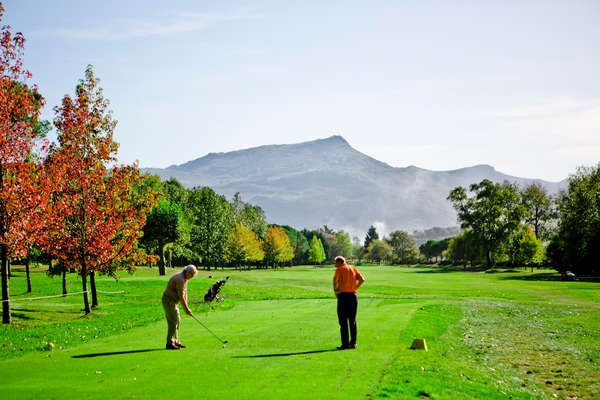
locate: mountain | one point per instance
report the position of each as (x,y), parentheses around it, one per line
(326,181)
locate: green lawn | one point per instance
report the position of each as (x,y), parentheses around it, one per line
(515,335)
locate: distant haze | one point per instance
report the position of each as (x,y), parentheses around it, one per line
(327,182)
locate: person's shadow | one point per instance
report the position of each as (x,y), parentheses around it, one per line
(286,354)
(114,353)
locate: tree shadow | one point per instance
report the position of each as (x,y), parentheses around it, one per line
(447,269)
(550,276)
(286,354)
(21,316)
(115,353)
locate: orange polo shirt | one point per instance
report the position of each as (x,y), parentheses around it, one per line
(347,276)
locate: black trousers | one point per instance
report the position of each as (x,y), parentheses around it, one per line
(347,306)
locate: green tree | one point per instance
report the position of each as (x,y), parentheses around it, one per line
(163,226)
(316,253)
(175,192)
(576,246)
(341,246)
(379,251)
(540,213)
(358,250)
(298,242)
(328,230)
(250,215)
(212,221)
(493,212)
(321,236)
(404,249)
(148,182)
(456,250)
(464,249)
(426,249)
(370,236)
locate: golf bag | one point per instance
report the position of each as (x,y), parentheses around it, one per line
(214,290)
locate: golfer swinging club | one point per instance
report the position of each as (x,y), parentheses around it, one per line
(176,292)
(346,282)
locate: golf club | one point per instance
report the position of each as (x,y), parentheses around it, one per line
(205,327)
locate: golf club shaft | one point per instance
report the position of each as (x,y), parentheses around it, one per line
(205,327)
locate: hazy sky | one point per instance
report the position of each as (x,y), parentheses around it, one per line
(436,84)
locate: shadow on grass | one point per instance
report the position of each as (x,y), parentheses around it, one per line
(21,316)
(45,310)
(115,353)
(445,269)
(286,354)
(550,276)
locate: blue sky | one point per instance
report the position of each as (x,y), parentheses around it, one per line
(436,84)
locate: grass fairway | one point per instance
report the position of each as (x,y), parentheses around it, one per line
(500,335)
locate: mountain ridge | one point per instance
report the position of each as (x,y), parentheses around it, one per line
(327,181)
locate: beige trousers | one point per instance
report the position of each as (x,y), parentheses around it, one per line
(172,314)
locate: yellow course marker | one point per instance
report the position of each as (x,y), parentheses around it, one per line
(419,344)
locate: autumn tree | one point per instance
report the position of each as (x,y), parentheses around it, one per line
(20,107)
(276,246)
(243,245)
(530,249)
(95,216)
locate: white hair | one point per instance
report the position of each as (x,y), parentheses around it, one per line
(190,269)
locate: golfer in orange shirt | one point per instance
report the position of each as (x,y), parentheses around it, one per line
(346,282)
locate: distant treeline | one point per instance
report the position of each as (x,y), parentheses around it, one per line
(202,227)
(501,224)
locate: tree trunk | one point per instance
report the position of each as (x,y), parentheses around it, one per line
(170,258)
(86,299)
(64,282)
(93,287)
(5,295)
(27,273)
(161,261)
(488,258)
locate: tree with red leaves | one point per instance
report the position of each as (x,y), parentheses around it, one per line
(20,107)
(95,217)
